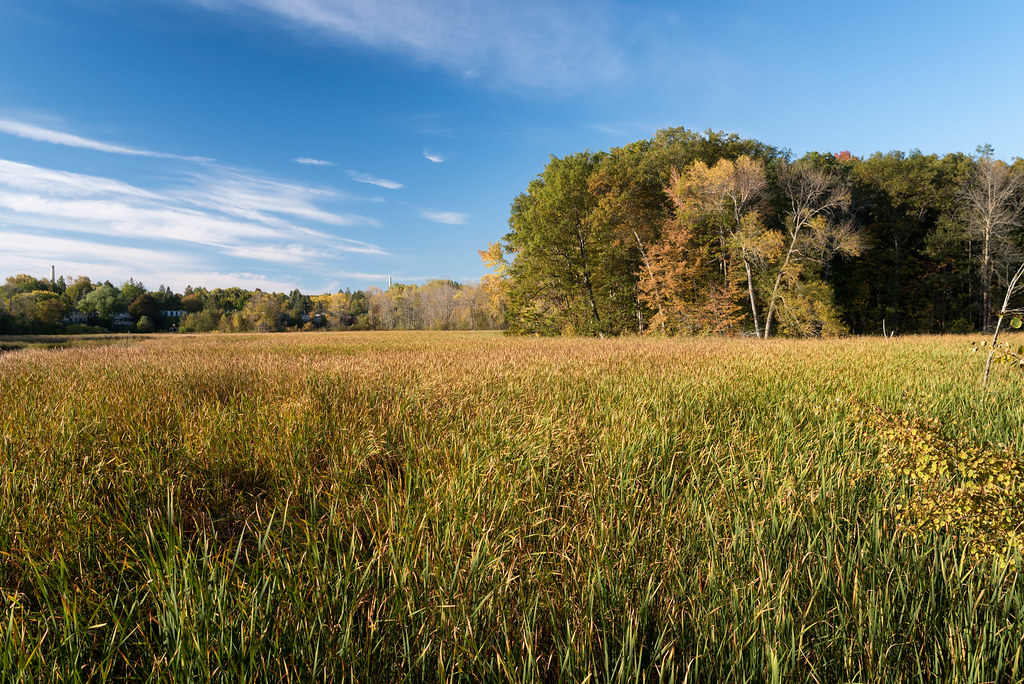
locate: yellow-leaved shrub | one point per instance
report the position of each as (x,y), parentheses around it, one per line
(952,485)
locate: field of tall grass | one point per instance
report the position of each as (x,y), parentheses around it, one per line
(382,507)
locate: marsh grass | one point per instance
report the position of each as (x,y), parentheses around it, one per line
(10,343)
(435,507)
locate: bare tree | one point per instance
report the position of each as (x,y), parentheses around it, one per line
(993,212)
(382,309)
(745,192)
(816,199)
(437,303)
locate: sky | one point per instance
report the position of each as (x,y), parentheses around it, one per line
(331,144)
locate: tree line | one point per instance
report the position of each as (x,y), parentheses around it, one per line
(688,233)
(30,305)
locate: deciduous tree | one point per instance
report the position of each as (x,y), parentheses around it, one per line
(994,210)
(815,232)
(558,250)
(729,195)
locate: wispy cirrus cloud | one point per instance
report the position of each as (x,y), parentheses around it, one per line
(35,179)
(309,161)
(373,180)
(453,218)
(564,45)
(230,214)
(245,280)
(436,158)
(372,276)
(261,199)
(48,249)
(48,135)
(34,253)
(282,254)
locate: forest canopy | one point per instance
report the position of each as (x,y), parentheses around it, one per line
(689,233)
(30,305)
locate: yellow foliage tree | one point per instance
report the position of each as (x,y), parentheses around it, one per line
(682,286)
(729,197)
(495,284)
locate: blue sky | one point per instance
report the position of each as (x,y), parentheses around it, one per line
(324,144)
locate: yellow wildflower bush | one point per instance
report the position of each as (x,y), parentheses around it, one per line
(953,485)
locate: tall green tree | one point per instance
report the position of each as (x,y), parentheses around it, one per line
(628,184)
(145,305)
(900,193)
(104,301)
(559,250)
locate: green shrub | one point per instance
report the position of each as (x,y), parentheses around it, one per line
(81,329)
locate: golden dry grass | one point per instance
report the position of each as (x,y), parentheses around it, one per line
(437,506)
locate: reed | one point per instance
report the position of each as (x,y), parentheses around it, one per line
(466,506)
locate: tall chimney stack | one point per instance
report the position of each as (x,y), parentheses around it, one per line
(53,274)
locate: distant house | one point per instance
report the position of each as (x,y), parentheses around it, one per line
(76,318)
(122,320)
(172,313)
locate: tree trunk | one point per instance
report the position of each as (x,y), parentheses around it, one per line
(986,282)
(650,273)
(778,282)
(753,303)
(586,276)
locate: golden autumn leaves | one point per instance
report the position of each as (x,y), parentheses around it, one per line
(717,260)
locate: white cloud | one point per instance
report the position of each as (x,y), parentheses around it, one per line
(259,199)
(35,253)
(231,214)
(246,281)
(365,276)
(120,219)
(48,249)
(373,180)
(436,158)
(40,134)
(530,42)
(282,254)
(35,179)
(346,245)
(450,217)
(312,162)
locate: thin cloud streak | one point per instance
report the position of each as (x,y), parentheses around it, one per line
(373,180)
(287,254)
(453,218)
(309,161)
(37,179)
(365,276)
(56,249)
(532,42)
(48,135)
(436,158)
(247,281)
(258,199)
